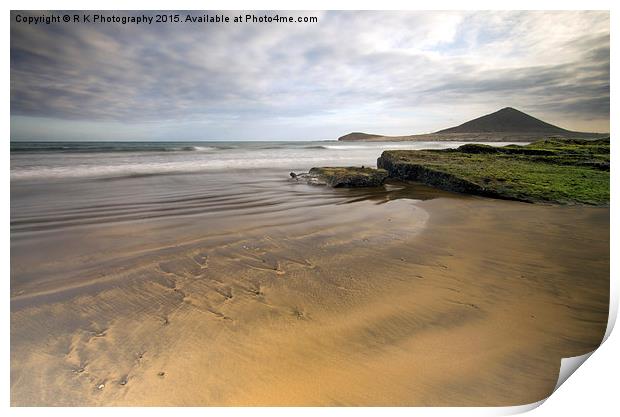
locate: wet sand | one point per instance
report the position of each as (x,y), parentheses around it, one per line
(342,297)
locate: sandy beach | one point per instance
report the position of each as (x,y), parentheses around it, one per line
(298,295)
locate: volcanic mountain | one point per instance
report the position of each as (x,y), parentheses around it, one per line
(507,124)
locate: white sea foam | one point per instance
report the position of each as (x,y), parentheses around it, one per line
(57,164)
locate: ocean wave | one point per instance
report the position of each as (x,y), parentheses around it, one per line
(106,148)
(202,148)
(346,147)
(134,169)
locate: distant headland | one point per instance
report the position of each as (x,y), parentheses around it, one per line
(505,125)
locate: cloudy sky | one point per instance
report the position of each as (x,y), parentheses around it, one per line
(379,72)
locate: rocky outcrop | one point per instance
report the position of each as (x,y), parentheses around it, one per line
(405,169)
(343,176)
(566,171)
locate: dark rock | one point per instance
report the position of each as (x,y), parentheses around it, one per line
(477,148)
(308,178)
(350,176)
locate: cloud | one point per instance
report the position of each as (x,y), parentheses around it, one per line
(389,72)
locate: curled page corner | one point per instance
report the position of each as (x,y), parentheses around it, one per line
(520,409)
(613,314)
(569,366)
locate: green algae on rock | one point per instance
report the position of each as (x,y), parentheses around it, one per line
(564,171)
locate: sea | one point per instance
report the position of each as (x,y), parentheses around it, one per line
(52,161)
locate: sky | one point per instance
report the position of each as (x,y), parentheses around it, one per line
(392,73)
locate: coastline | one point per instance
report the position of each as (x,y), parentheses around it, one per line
(465,137)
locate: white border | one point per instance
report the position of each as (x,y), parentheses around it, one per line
(592,389)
